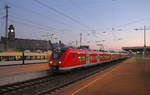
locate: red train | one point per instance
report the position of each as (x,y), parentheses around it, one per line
(67,58)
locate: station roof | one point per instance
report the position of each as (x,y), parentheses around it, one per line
(135,49)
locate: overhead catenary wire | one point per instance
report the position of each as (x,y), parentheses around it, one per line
(115,36)
(34,23)
(62,13)
(28,24)
(37,25)
(77,6)
(36,13)
(60,31)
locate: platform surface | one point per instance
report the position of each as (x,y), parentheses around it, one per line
(20,73)
(20,69)
(131,77)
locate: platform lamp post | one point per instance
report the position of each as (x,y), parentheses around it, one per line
(144,50)
(101,46)
(47,41)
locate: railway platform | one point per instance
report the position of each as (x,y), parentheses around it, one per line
(131,77)
(19,73)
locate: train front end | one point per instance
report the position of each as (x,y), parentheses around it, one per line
(57,58)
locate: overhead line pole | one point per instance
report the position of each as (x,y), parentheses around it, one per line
(80,39)
(6,29)
(144,37)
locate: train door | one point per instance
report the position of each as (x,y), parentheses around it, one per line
(87,59)
(103,57)
(98,58)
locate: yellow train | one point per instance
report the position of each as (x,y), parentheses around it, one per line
(10,58)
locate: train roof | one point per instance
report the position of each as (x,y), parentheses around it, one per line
(20,53)
(84,51)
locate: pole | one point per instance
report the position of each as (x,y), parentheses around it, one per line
(144,49)
(76,43)
(6,28)
(144,36)
(47,44)
(144,39)
(80,39)
(23,57)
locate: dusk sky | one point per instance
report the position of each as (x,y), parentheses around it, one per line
(107,22)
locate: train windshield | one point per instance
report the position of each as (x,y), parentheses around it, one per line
(57,53)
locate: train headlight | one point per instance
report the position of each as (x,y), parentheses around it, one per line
(50,62)
(60,62)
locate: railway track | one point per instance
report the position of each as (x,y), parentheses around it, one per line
(52,83)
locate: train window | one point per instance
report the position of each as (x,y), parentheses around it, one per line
(1,59)
(83,58)
(73,55)
(79,58)
(4,58)
(38,57)
(95,57)
(7,58)
(18,58)
(98,57)
(46,57)
(58,52)
(91,58)
(27,57)
(32,57)
(42,57)
(101,57)
(11,58)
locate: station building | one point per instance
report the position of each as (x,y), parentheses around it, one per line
(18,44)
